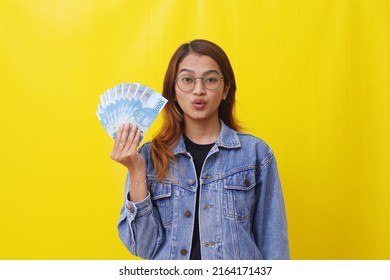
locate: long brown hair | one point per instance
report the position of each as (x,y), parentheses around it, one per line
(172,115)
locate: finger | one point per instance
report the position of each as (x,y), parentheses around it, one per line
(124,135)
(130,138)
(135,142)
(118,136)
(137,138)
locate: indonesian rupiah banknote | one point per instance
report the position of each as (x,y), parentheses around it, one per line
(129,103)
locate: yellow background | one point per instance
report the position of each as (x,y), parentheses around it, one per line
(313,81)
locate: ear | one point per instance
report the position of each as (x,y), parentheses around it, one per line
(226,91)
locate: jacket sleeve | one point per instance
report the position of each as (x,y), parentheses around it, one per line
(139,226)
(270,222)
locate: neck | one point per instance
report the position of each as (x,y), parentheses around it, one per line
(200,132)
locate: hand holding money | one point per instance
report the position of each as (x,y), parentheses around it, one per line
(125,148)
(125,152)
(126,113)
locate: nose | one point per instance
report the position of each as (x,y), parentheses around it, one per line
(199,87)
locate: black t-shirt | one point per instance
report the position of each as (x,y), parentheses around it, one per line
(198,153)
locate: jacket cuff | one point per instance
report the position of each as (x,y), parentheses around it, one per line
(138,209)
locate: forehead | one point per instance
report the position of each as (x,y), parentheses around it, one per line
(198,64)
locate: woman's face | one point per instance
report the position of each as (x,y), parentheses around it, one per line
(200,103)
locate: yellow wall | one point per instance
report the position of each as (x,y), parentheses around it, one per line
(313,81)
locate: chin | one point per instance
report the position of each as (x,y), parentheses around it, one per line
(200,117)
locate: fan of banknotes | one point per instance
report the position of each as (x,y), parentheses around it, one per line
(129,103)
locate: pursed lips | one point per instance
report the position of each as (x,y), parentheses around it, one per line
(199,104)
(199,101)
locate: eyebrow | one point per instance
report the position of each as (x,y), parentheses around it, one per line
(207,72)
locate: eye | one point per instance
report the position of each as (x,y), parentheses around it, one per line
(211,79)
(187,79)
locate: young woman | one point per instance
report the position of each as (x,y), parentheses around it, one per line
(200,189)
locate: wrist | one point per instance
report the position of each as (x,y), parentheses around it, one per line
(137,170)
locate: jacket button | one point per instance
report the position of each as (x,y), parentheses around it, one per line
(131,209)
(246,182)
(187,214)
(183,252)
(191,182)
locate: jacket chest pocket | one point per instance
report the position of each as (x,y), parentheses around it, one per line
(239,195)
(161,195)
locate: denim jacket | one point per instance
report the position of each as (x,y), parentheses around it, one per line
(241,208)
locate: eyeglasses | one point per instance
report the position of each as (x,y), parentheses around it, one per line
(187,83)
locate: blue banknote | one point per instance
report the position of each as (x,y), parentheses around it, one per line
(129,103)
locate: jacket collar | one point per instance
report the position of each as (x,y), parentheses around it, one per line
(227,138)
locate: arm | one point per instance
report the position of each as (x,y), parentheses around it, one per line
(137,226)
(125,152)
(270,223)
